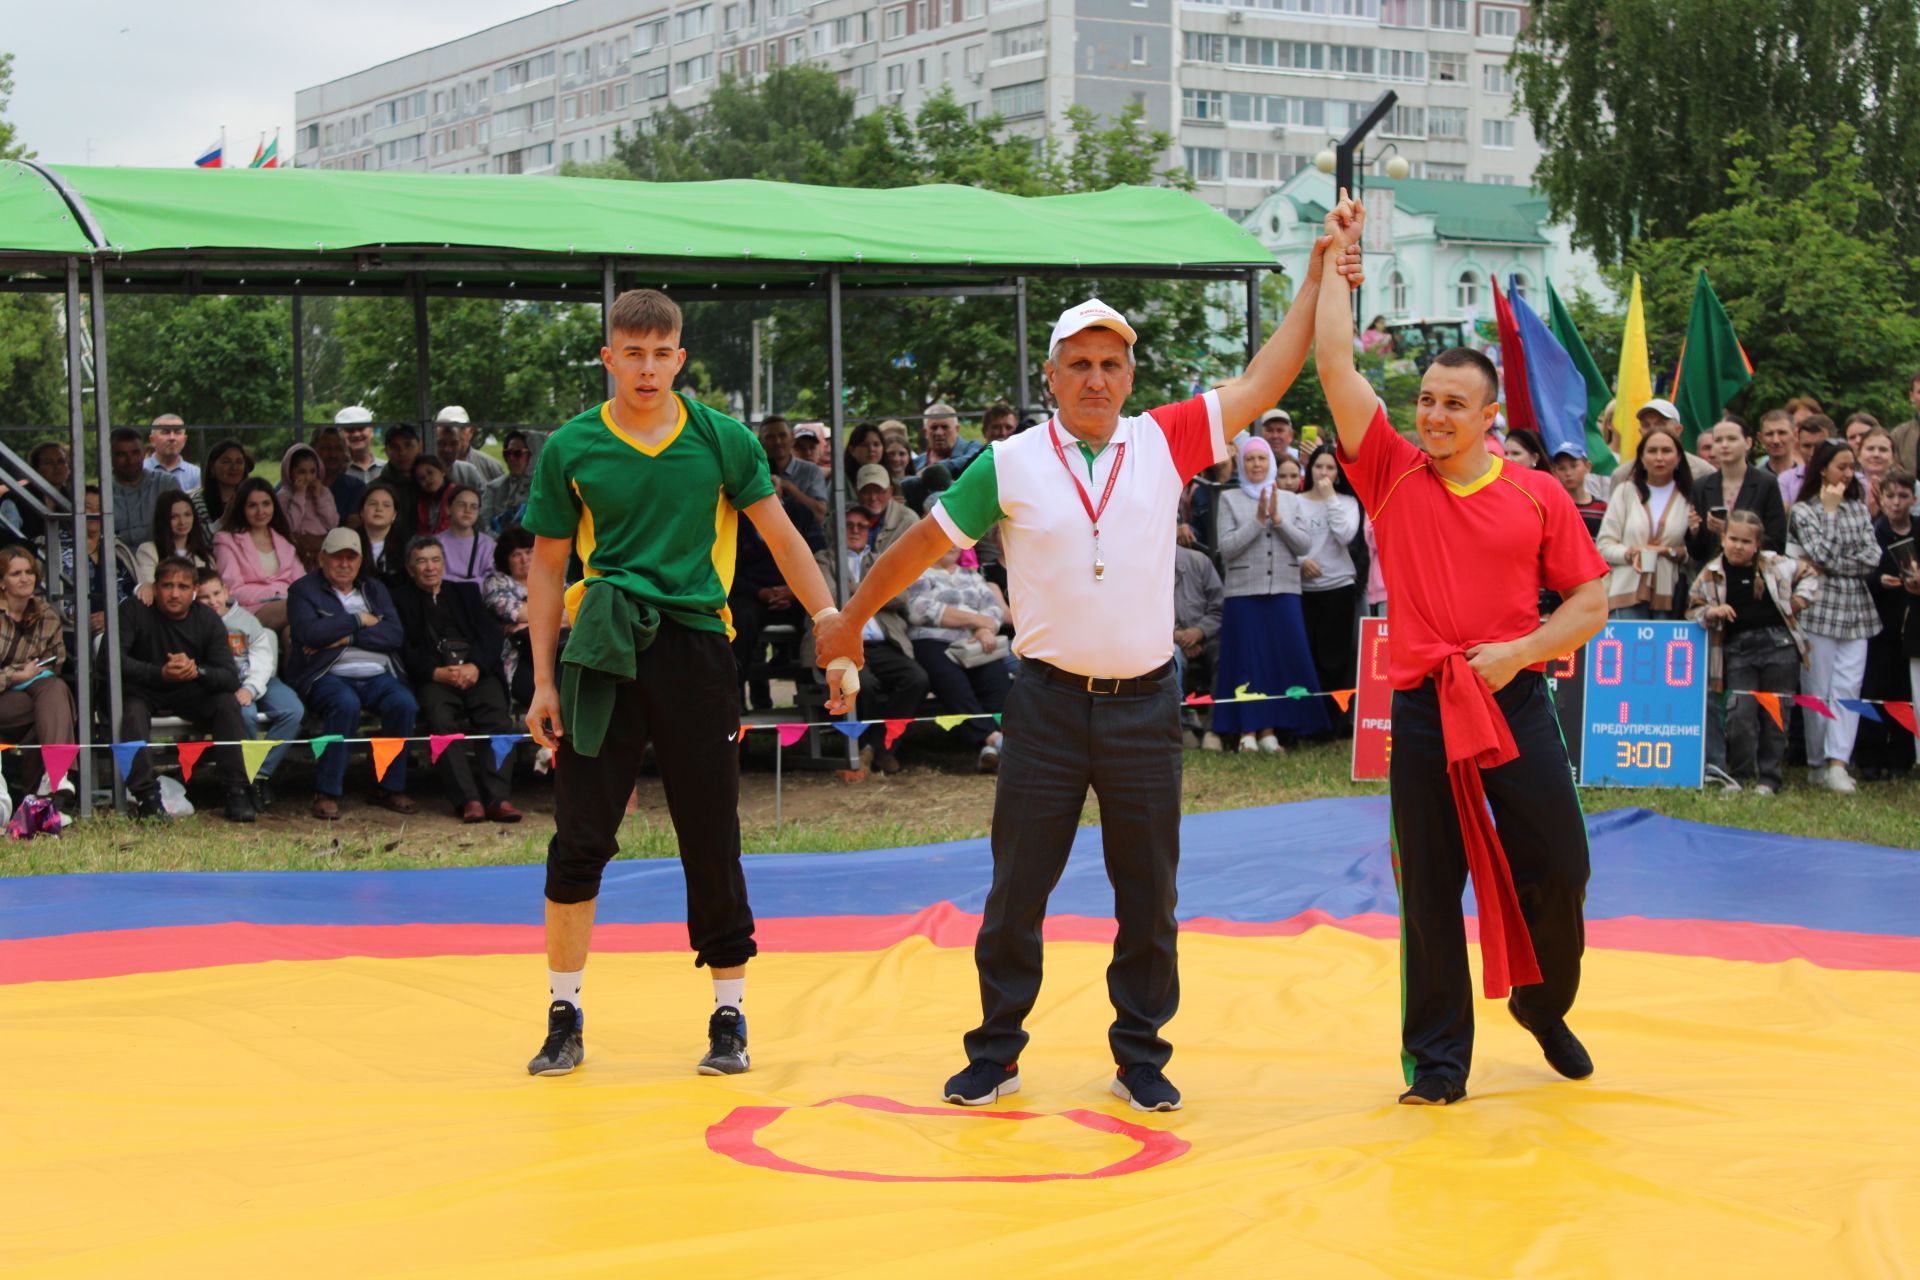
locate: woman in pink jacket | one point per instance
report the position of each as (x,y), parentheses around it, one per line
(257,559)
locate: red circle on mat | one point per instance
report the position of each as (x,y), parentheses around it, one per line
(737,1138)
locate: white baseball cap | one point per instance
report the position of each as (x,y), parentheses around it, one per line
(452,413)
(1665,408)
(1091,314)
(353,415)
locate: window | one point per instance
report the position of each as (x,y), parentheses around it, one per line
(1202,47)
(570,65)
(1015,41)
(1139,54)
(796,49)
(753,60)
(1352,59)
(1496,77)
(897,78)
(1466,291)
(730,17)
(1405,122)
(1445,172)
(1403,13)
(1447,15)
(894,22)
(310,137)
(566,153)
(619,97)
(1519,284)
(1262,166)
(620,54)
(1496,135)
(570,109)
(1447,124)
(653,84)
(1016,100)
(971,9)
(649,35)
(858,81)
(1203,164)
(1264,108)
(1499,22)
(1204,104)
(690,24)
(970,59)
(1447,68)
(1499,179)
(695,70)
(1403,64)
(920,73)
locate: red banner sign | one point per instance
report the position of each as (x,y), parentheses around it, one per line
(1372,704)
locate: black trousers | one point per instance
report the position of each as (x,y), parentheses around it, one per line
(965,690)
(1060,741)
(892,687)
(466,768)
(685,701)
(1333,639)
(1538,816)
(219,714)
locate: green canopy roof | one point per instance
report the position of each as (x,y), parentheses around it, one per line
(562,229)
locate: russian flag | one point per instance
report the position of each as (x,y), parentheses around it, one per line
(210,158)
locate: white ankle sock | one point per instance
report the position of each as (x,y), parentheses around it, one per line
(729,991)
(566,986)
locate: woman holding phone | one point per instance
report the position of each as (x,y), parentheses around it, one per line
(35,703)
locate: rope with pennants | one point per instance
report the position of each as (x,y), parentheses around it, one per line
(1901,713)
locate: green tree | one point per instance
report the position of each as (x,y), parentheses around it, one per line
(1811,276)
(1635,103)
(212,360)
(11,148)
(32,364)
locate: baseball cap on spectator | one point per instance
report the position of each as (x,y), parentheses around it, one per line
(353,415)
(399,429)
(338,540)
(1571,449)
(1091,314)
(1665,408)
(815,430)
(873,474)
(1276,415)
(452,413)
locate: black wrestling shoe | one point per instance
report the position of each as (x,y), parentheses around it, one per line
(262,794)
(148,808)
(566,1046)
(1564,1051)
(1434,1091)
(981,1083)
(240,805)
(726,1043)
(1145,1088)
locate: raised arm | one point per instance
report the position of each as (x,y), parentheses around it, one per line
(1349,395)
(1274,367)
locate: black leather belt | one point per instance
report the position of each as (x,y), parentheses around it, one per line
(1103,685)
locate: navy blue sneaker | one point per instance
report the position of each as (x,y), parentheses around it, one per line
(982,1082)
(1145,1088)
(1433,1091)
(726,1043)
(566,1047)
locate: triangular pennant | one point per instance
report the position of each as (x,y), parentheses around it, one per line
(1862,708)
(123,754)
(385,752)
(1816,705)
(851,728)
(996,717)
(190,753)
(949,722)
(1297,691)
(254,754)
(504,743)
(438,743)
(791,733)
(1902,712)
(894,729)
(1199,699)
(1770,703)
(1344,697)
(321,743)
(56,758)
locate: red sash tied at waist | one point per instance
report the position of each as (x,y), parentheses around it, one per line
(1477,737)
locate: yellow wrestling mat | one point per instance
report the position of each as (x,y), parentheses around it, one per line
(358,1117)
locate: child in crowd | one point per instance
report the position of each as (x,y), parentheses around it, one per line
(256,651)
(1749,600)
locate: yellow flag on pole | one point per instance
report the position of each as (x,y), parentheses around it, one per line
(1634,387)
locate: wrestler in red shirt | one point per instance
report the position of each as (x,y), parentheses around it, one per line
(1467,543)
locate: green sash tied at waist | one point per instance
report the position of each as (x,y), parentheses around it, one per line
(611,629)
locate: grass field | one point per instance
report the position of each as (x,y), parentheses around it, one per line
(938,798)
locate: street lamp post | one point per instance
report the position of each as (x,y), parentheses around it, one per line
(1345,159)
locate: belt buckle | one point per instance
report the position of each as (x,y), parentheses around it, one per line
(1093,680)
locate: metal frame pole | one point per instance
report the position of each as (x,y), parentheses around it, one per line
(109,560)
(1253,315)
(836,435)
(299,374)
(606,313)
(422,382)
(1020,352)
(77,484)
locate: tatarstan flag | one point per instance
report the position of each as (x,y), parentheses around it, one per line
(1713,365)
(266,155)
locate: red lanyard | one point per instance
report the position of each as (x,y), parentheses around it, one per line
(1093,513)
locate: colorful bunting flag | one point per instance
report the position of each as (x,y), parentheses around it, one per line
(1902,712)
(1344,697)
(504,743)
(1560,324)
(56,758)
(254,754)
(385,752)
(325,740)
(894,729)
(1634,386)
(852,729)
(1554,383)
(190,753)
(123,754)
(1199,700)
(792,733)
(1770,703)
(1713,365)
(1816,705)
(949,722)
(438,743)
(1865,710)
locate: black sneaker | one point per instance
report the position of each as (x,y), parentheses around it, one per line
(147,807)
(1145,1088)
(566,1046)
(726,1043)
(1564,1051)
(982,1082)
(1433,1091)
(263,794)
(240,806)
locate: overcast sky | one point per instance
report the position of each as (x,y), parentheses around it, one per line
(125,83)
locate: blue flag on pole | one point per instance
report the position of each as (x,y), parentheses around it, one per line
(1554,383)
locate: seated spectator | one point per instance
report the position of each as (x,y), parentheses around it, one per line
(504,501)
(891,519)
(347,489)
(135,489)
(383,539)
(998,423)
(228,466)
(810,445)
(919,490)
(760,597)
(469,552)
(897,458)
(953,619)
(402,445)
(892,686)
(793,476)
(177,531)
(893,430)
(505,593)
(305,502)
(1643,535)
(865,448)
(256,557)
(433,495)
(36,705)
(166,443)
(1749,599)
(344,658)
(175,660)
(1575,474)
(453,445)
(356,428)
(940,428)
(1198,599)
(256,656)
(49,460)
(123,577)
(452,658)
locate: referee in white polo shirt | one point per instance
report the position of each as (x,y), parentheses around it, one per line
(1087,506)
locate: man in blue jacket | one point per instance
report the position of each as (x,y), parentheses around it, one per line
(345,659)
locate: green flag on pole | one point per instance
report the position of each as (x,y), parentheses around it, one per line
(1560,324)
(1713,365)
